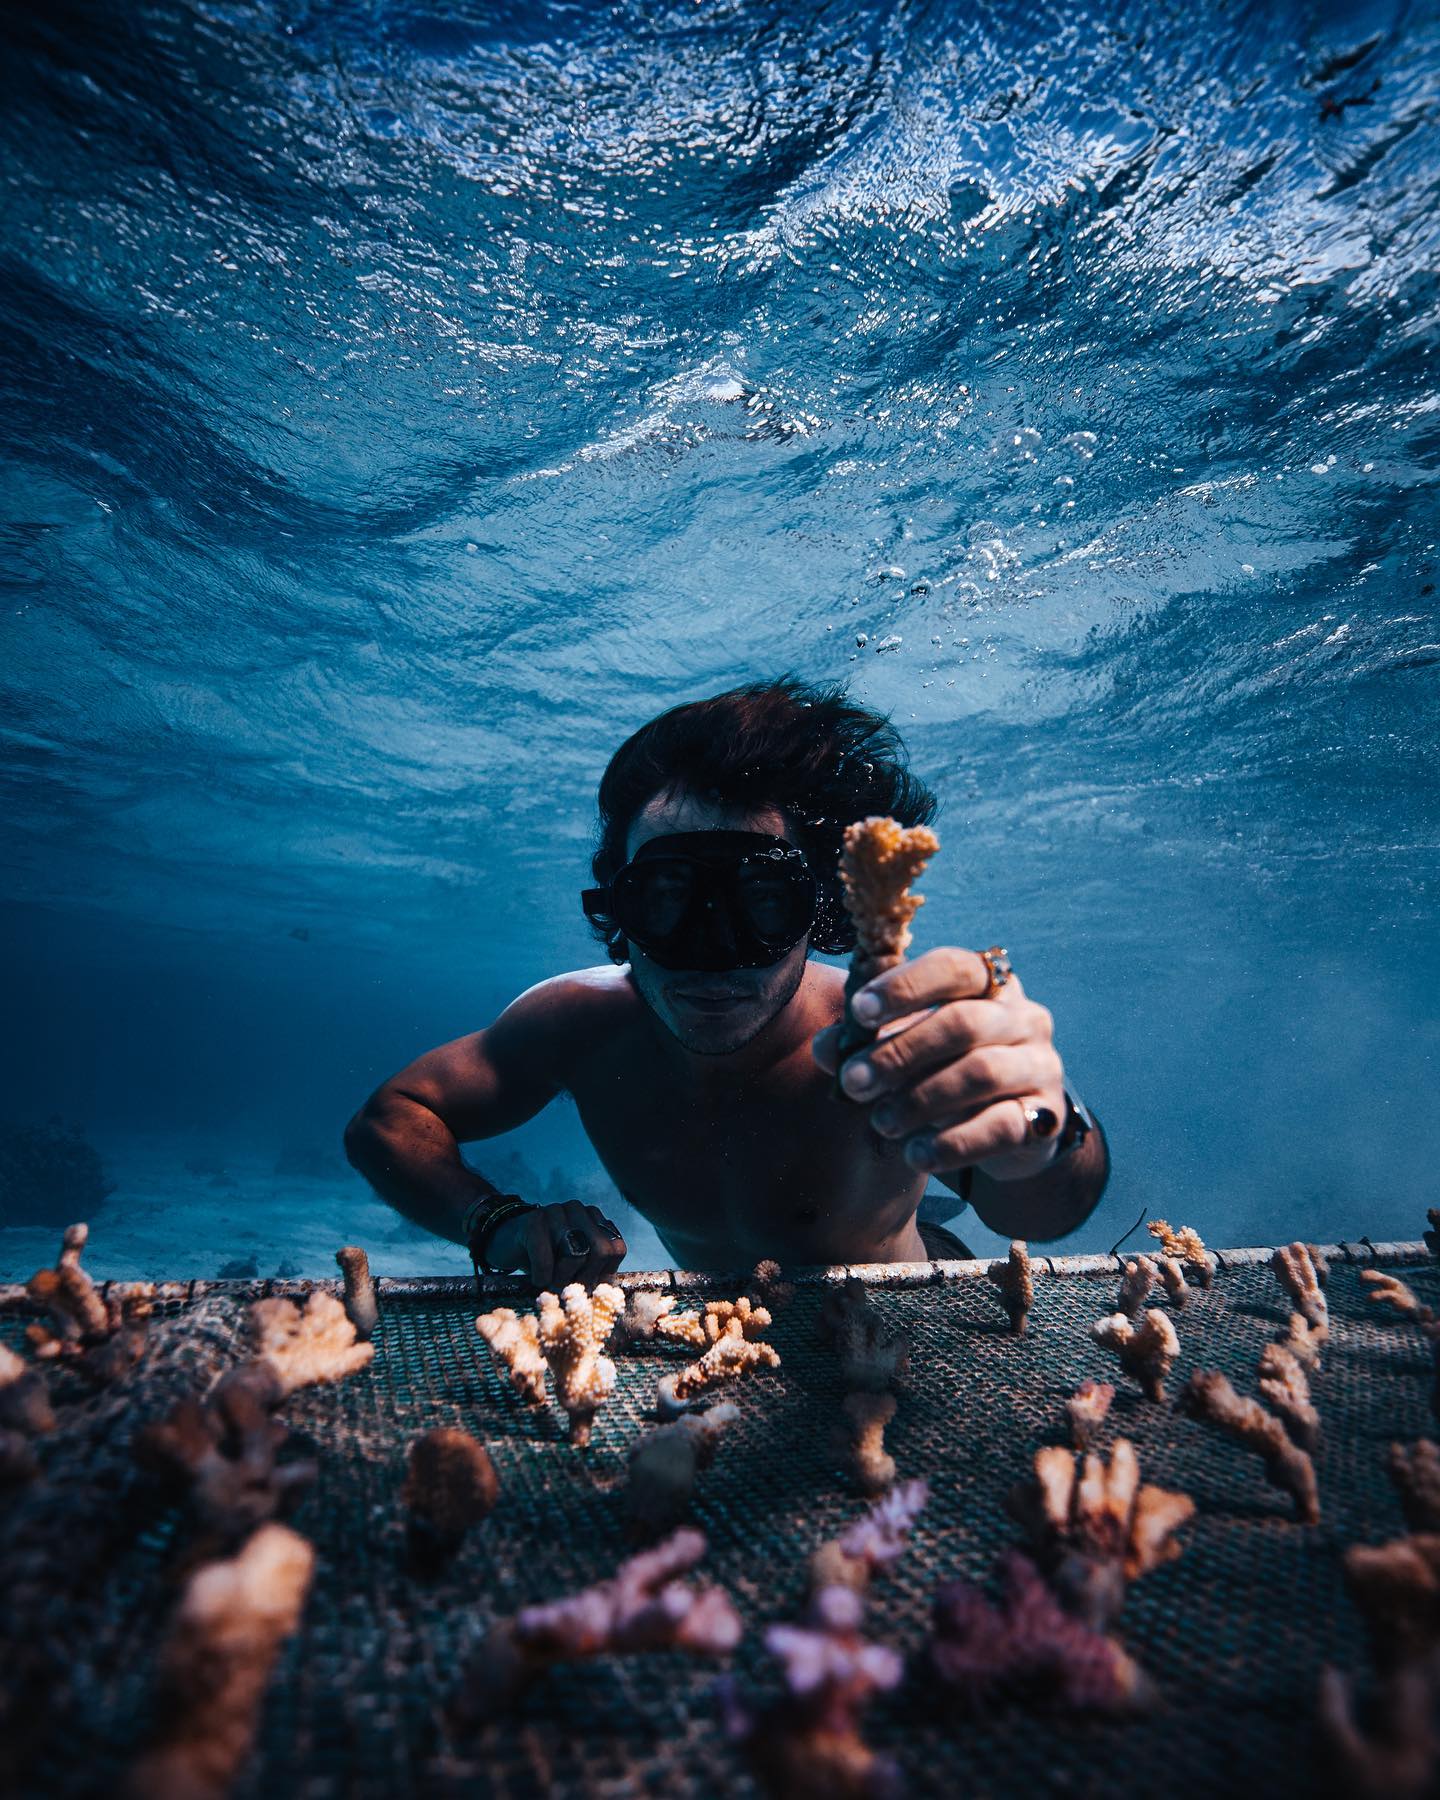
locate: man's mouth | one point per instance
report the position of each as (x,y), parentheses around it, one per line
(711,1001)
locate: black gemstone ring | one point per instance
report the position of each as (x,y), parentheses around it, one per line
(575,1243)
(1040,1122)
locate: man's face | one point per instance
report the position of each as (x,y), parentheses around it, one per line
(711,1013)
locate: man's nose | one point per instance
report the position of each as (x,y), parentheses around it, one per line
(717,927)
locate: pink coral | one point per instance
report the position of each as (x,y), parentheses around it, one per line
(644,1606)
(1028,1648)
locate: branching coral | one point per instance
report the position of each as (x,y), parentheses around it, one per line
(361,1307)
(514,1340)
(1172,1274)
(232,1621)
(1396,1759)
(880,859)
(1095,1527)
(1282,1382)
(314,1345)
(872,1543)
(225,1451)
(574,1330)
(866,1416)
(103,1336)
(767,1288)
(1138,1279)
(1396,1587)
(1300,1278)
(1208,1395)
(1016,1283)
(729,1357)
(1087,1409)
(1303,1341)
(807,1744)
(1147,1350)
(645,1312)
(1186,1246)
(450,1485)
(1390,1290)
(1416,1474)
(644,1606)
(664,1463)
(872,1353)
(1028,1648)
(702,1329)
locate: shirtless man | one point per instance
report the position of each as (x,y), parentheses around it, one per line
(702,1056)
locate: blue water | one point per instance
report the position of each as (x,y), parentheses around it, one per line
(403,406)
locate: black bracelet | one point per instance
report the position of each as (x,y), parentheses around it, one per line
(483,1218)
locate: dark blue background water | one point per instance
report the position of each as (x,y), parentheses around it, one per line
(403,406)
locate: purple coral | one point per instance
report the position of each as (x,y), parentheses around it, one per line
(806,1745)
(1027,1648)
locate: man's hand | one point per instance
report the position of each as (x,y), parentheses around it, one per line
(954,1074)
(558,1244)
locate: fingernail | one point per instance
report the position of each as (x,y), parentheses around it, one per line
(885,1116)
(920,1152)
(866,1007)
(858,1078)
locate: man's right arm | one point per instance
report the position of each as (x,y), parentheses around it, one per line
(406,1138)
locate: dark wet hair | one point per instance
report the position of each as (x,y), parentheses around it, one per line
(808,751)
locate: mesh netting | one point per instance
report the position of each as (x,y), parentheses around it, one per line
(1235,1631)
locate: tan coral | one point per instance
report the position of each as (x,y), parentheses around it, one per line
(1016,1282)
(361,1307)
(1389,1290)
(1096,1527)
(1397,1758)
(880,859)
(1416,1475)
(1172,1274)
(1209,1396)
(766,1286)
(1147,1350)
(316,1344)
(1396,1587)
(216,1663)
(1303,1341)
(872,1543)
(872,1353)
(1138,1279)
(642,1317)
(1086,1410)
(1298,1275)
(729,1357)
(103,1336)
(574,1330)
(450,1485)
(663,1465)
(867,1415)
(1186,1246)
(1282,1382)
(706,1328)
(514,1341)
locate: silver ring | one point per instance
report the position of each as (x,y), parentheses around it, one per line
(997,967)
(575,1243)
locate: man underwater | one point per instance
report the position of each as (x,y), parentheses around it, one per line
(702,1057)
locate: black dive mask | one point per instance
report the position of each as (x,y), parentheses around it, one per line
(710,900)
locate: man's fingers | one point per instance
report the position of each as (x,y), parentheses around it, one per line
(610,1245)
(989,1133)
(946,973)
(540,1259)
(992,1072)
(943,1036)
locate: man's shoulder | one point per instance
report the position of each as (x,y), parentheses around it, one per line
(578,999)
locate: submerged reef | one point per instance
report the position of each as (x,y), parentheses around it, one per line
(49,1174)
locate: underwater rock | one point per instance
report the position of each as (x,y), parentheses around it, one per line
(49,1174)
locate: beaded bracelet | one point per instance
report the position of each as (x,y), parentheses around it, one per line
(482,1218)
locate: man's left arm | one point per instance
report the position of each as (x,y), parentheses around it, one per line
(965,1073)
